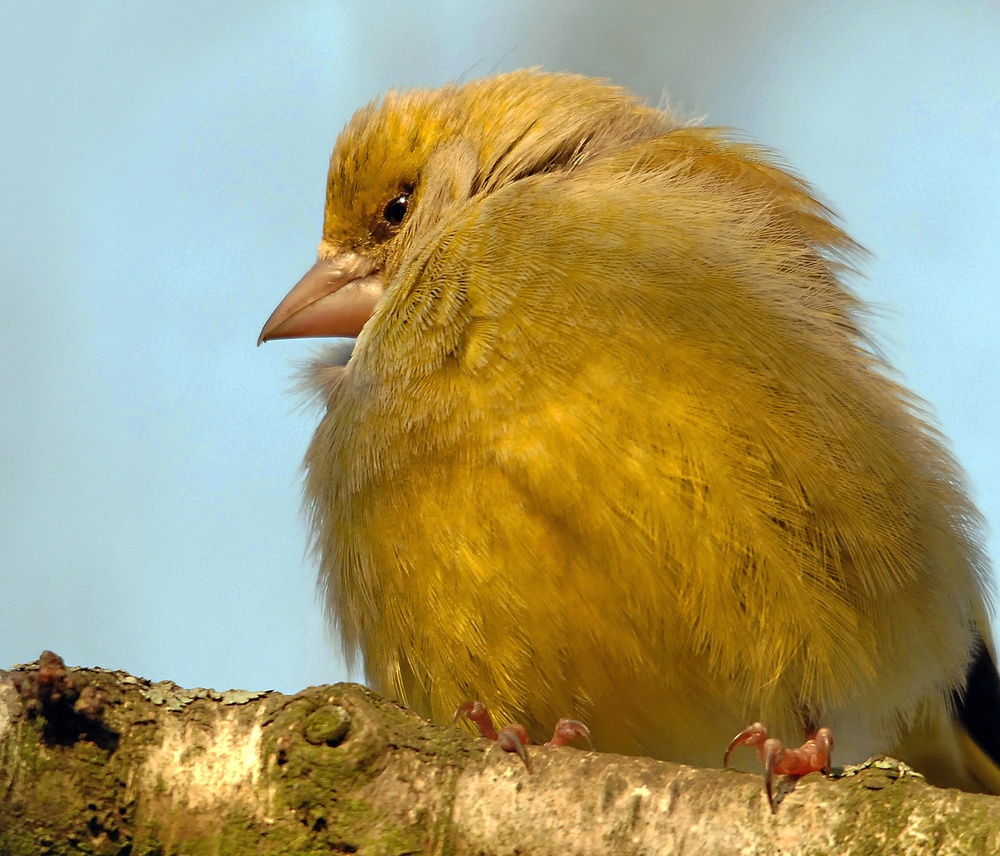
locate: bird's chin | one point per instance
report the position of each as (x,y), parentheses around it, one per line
(318,379)
(335,354)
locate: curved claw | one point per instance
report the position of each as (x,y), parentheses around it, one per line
(773,753)
(478,714)
(824,747)
(753,735)
(569,729)
(513,738)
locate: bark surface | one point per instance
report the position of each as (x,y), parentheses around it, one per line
(94,761)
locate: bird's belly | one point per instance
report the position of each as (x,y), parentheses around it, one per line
(663,608)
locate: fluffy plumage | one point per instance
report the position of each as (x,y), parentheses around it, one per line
(613,445)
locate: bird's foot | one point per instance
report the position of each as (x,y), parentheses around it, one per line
(514,737)
(813,756)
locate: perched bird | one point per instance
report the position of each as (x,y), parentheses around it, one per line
(612,442)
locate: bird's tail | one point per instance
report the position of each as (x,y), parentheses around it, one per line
(958,745)
(978,720)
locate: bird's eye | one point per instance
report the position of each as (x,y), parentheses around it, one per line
(395,209)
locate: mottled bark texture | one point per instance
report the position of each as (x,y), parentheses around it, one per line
(93,761)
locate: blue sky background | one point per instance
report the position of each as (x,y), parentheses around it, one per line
(162,174)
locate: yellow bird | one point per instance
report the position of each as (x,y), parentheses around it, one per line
(612,442)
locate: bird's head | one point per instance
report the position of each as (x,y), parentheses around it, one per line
(405,163)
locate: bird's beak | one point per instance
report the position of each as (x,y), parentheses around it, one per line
(335,298)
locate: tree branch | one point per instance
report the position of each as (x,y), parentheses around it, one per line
(103,762)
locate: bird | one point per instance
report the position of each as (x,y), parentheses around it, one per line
(613,442)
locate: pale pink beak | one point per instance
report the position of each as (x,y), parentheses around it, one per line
(335,298)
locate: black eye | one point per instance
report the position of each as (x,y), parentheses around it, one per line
(395,209)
